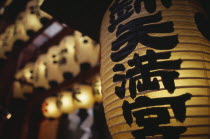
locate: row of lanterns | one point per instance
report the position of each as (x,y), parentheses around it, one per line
(81,96)
(62,62)
(29,21)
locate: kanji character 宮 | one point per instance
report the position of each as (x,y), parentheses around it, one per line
(157,115)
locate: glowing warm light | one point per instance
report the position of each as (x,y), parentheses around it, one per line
(42,67)
(31,21)
(9,115)
(27,75)
(96,84)
(50,109)
(83,96)
(67,46)
(40,71)
(65,102)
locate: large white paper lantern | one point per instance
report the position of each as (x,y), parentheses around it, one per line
(155,69)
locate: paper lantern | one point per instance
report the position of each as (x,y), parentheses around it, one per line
(30,21)
(83,96)
(33,7)
(40,73)
(155,69)
(87,51)
(68,61)
(96,85)
(54,74)
(8,39)
(65,102)
(50,108)
(2,52)
(26,74)
(20,32)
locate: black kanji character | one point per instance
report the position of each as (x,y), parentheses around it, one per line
(162,116)
(120,11)
(143,72)
(150,5)
(135,31)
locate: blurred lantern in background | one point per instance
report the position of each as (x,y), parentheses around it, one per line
(96,85)
(20,32)
(155,69)
(68,62)
(65,102)
(83,96)
(54,74)
(87,51)
(50,108)
(26,74)
(40,73)
(7,40)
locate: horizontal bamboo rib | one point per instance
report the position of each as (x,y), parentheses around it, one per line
(114,101)
(110,63)
(141,93)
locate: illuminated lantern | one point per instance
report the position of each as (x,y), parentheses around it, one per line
(2,52)
(20,32)
(54,74)
(155,69)
(96,85)
(2,45)
(83,96)
(40,75)
(7,40)
(11,35)
(26,74)
(87,51)
(50,108)
(65,102)
(30,21)
(68,61)
(34,8)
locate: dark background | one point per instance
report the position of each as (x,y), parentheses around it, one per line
(86,15)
